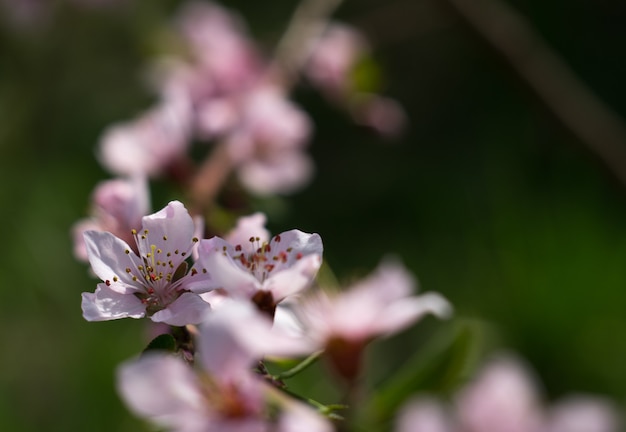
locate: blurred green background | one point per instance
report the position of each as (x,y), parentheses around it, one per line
(488,197)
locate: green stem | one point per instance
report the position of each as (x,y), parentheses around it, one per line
(300,366)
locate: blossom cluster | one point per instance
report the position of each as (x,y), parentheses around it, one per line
(222,89)
(227,292)
(505,397)
(234,306)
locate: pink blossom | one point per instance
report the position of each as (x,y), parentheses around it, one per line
(148,145)
(268,142)
(380,305)
(382,114)
(583,413)
(423,414)
(244,335)
(333,58)
(502,398)
(218,41)
(117,206)
(26,14)
(269,123)
(248,227)
(153,283)
(265,134)
(262,269)
(505,397)
(221,393)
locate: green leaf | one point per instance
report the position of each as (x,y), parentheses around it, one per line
(440,366)
(366,76)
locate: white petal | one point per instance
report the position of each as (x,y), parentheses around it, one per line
(170,229)
(189,308)
(162,388)
(404,312)
(293,245)
(108,259)
(390,281)
(236,334)
(225,272)
(584,413)
(106,304)
(294,279)
(297,417)
(247,227)
(424,415)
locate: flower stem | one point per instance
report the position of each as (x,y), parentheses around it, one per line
(300,366)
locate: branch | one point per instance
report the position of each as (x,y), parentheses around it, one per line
(599,128)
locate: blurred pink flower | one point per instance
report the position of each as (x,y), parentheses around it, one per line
(149,145)
(504,397)
(333,58)
(423,415)
(221,393)
(27,15)
(155,283)
(248,227)
(378,306)
(268,142)
(218,41)
(384,115)
(583,413)
(332,63)
(117,206)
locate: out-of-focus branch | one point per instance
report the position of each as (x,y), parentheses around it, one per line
(307,22)
(580,110)
(209,179)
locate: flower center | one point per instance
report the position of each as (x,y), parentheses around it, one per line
(259,259)
(159,271)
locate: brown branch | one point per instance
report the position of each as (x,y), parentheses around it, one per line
(578,108)
(307,21)
(209,179)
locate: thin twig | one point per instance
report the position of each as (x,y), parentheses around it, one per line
(578,108)
(209,179)
(307,23)
(300,366)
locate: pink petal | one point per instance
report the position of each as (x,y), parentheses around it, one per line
(225,273)
(286,282)
(108,259)
(170,229)
(106,304)
(162,388)
(423,415)
(189,308)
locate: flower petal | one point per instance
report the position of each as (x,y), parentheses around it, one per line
(189,308)
(109,257)
(105,304)
(292,280)
(162,388)
(293,245)
(215,255)
(169,229)
(404,312)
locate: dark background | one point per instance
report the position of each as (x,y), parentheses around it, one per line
(489,198)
